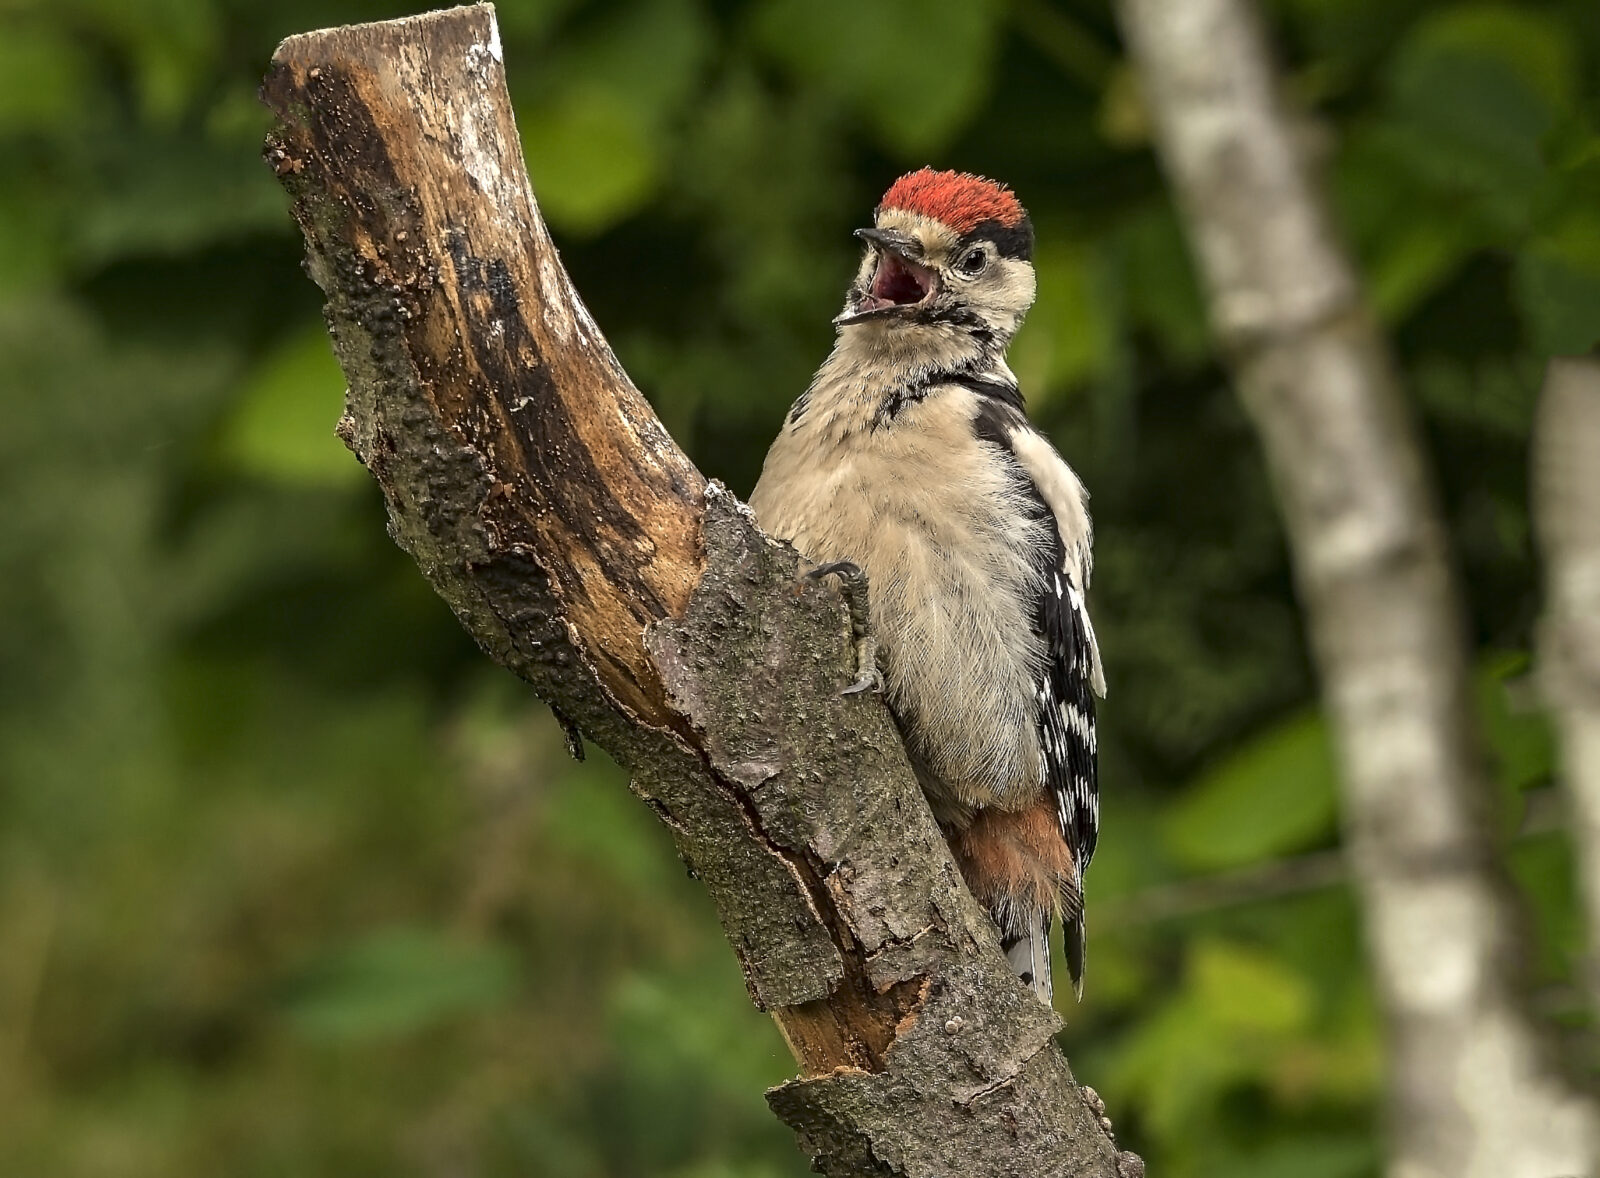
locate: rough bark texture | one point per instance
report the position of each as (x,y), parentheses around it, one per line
(1472,1094)
(1566,463)
(580,547)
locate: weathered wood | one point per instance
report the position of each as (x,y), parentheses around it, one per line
(545,502)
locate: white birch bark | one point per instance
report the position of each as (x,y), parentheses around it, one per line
(1472,1093)
(1567,513)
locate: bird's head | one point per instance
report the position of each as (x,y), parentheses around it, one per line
(946,251)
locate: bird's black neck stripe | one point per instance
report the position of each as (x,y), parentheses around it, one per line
(987,387)
(993,388)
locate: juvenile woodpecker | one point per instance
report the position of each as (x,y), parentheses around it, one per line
(911,457)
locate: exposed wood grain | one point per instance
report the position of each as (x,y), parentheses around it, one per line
(431,237)
(580,547)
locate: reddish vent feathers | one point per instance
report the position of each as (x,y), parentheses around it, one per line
(958,199)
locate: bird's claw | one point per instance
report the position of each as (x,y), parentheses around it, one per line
(870,680)
(853,585)
(848,572)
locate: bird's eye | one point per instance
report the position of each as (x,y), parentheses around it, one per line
(973,264)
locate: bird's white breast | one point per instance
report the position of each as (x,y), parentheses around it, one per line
(944,535)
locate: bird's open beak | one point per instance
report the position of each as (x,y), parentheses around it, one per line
(898,284)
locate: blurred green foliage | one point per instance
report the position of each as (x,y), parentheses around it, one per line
(293,882)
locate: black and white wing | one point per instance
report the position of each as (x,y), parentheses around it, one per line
(1067,734)
(1072,674)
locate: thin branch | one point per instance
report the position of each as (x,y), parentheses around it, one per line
(1255,884)
(579,546)
(1274,880)
(1473,1094)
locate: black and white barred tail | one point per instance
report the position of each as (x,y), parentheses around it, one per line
(1028,951)
(1074,945)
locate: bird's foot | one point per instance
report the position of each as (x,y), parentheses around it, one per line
(853,584)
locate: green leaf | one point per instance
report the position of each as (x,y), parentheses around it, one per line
(33,232)
(591,157)
(1278,793)
(1411,237)
(1532,45)
(1517,732)
(691,1023)
(398,981)
(1546,874)
(1419,255)
(1274,795)
(609,831)
(652,54)
(1162,292)
(44,81)
(1066,339)
(1557,276)
(1475,88)
(1558,293)
(1248,991)
(168,194)
(1351,1155)
(876,57)
(596,135)
(171,48)
(1235,1012)
(282,426)
(1489,395)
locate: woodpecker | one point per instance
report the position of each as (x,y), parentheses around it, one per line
(911,459)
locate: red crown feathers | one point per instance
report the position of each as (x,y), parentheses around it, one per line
(958,199)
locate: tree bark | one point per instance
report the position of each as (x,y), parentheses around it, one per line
(1566,471)
(1473,1093)
(580,547)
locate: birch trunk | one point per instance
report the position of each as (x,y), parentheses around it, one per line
(1566,466)
(1472,1092)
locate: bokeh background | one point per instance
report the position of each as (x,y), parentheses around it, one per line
(294,882)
